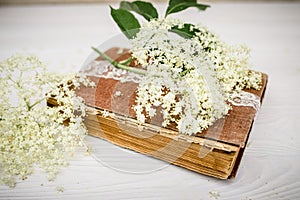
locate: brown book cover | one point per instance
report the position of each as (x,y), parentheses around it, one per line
(215,152)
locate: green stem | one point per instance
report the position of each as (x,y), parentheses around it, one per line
(37,102)
(27,104)
(119,65)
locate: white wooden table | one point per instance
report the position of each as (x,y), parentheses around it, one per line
(61,35)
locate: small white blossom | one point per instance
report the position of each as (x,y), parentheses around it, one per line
(118,93)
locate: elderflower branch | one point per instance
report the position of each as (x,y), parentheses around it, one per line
(202,69)
(119,65)
(37,137)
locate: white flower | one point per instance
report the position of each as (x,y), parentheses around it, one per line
(118,93)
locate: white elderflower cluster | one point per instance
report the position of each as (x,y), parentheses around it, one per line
(190,79)
(232,62)
(32,133)
(180,79)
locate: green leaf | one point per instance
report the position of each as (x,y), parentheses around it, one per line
(179,5)
(126,21)
(185,31)
(145,9)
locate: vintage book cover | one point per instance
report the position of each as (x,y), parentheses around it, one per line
(215,152)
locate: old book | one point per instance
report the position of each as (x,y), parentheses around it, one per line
(215,152)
